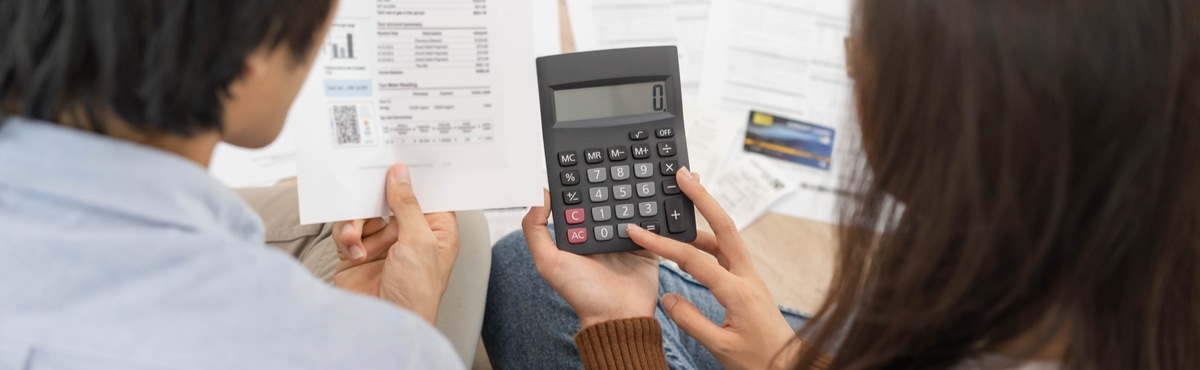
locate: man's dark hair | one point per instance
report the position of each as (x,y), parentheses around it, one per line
(163,66)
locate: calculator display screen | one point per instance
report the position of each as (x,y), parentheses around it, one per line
(610,101)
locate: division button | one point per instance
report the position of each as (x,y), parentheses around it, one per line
(624,211)
(567,159)
(593,156)
(638,135)
(603,233)
(601,214)
(597,175)
(664,133)
(574,216)
(641,151)
(666,149)
(577,235)
(569,177)
(652,226)
(668,168)
(677,218)
(618,153)
(572,197)
(671,187)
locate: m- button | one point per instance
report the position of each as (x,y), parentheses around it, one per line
(618,153)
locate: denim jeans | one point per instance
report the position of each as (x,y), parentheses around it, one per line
(527,325)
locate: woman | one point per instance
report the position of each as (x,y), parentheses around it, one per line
(1032,167)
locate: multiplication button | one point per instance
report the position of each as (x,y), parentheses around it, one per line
(668,168)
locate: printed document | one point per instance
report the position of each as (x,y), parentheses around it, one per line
(616,24)
(448,87)
(786,60)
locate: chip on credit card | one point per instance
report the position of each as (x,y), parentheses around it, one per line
(791,140)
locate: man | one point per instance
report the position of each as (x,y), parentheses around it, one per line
(120,252)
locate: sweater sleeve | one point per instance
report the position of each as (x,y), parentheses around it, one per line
(626,344)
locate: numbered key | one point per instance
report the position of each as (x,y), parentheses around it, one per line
(597,175)
(624,211)
(620,173)
(603,233)
(648,209)
(601,214)
(598,195)
(643,170)
(645,189)
(622,192)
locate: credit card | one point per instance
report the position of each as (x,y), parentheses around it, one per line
(790,140)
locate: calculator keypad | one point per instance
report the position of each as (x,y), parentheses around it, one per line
(618,193)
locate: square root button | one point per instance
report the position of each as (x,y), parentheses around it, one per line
(577,235)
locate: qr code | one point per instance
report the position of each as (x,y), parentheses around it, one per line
(345,124)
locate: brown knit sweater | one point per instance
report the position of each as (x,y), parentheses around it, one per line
(629,344)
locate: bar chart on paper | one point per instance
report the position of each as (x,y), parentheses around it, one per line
(339,44)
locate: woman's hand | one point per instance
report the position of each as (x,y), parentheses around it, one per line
(754,330)
(407,261)
(599,287)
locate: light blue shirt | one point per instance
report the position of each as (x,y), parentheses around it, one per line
(119,256)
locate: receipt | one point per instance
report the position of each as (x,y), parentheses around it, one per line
(748,187)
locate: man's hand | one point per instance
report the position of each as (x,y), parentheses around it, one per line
(407,261)
(599,287)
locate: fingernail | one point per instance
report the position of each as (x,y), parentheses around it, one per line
(357,252)
(636,228)
(669,301)
(687,174)
(401,174)
(348,228)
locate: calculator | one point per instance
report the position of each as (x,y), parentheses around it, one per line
(612,126)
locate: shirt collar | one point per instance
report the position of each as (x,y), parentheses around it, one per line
(115,176)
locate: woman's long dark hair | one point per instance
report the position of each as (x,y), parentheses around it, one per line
(1045,156)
